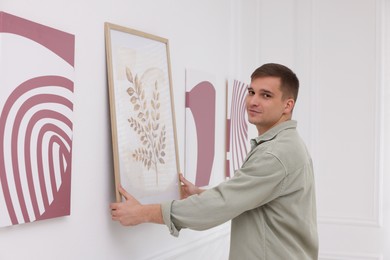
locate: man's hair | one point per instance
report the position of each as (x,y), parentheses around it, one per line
(289,83)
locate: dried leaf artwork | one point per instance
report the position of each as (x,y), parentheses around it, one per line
(151,133)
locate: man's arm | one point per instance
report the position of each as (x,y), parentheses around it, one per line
(131,212)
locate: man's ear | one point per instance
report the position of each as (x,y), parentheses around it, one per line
(289,105)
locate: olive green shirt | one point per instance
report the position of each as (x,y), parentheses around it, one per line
(270,200)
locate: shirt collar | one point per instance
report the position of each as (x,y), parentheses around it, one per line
(274,131)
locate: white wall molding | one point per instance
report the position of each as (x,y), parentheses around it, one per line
(322,26)
(303,53)
(214,238)
(380,108)
(385,154)
(235,43)
(348,256)
(377,219)
(358,222)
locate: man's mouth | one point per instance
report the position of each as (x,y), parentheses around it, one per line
(253,111)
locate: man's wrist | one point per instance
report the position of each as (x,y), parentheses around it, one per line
(152,213)
(199,191)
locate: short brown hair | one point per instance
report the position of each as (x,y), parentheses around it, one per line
(289,81)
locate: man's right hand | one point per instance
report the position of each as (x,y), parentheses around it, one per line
(188,188)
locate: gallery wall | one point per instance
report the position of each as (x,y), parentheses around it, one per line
(337,48)
(203,35)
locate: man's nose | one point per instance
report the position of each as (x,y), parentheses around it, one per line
(253,101)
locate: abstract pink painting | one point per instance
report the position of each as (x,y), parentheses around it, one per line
(200,127)
(36,104)
(236,126)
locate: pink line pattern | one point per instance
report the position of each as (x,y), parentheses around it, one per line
(30,100)
(36,133)
(59,42)
(237,129)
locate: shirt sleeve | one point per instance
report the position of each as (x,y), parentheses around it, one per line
(166,213)
(260,180)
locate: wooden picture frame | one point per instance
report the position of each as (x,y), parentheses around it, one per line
(143,126)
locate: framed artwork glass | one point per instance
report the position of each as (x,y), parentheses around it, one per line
(142,115)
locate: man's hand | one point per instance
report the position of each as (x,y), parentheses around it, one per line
(188,188)
(131,212)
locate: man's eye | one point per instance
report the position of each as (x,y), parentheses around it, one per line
(251,92)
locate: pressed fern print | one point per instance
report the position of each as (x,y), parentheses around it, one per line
(146,124)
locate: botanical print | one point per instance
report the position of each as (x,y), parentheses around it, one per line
(141,101)
(147,124)
(36,104)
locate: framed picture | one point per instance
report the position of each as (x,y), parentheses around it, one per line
(143,124)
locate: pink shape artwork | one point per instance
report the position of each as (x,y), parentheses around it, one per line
(237,126)
(36,101)
(200,104)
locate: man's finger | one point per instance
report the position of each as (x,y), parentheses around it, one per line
(184,180)
(124,193)
(113,206)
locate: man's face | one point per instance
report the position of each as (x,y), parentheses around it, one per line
(265,105)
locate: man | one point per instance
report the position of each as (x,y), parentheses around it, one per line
(270,199)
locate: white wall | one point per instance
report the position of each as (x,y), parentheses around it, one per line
(339,51)
(201,36)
